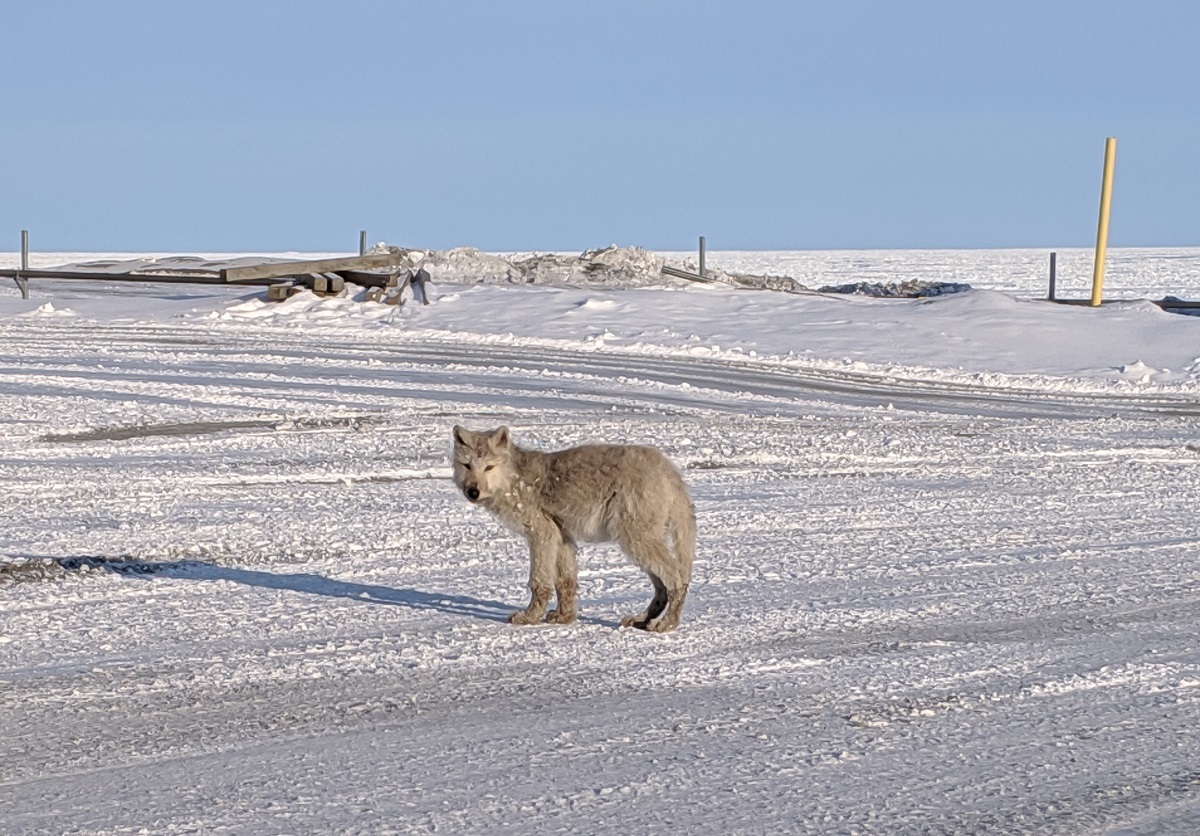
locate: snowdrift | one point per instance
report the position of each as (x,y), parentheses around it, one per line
(610,267)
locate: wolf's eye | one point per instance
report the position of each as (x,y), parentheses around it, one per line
(489,467)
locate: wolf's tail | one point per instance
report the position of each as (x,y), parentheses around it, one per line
(683,537)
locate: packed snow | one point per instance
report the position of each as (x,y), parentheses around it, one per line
(946,577)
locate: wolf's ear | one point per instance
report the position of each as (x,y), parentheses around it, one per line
(500,438)
(461,437)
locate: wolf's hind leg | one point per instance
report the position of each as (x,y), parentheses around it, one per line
(657,604)
(681,523)
(670,619)
(651,554)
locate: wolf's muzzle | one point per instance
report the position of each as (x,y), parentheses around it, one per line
(471,492)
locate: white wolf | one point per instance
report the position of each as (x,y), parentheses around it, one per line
(595,493)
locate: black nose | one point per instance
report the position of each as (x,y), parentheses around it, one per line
(472,493)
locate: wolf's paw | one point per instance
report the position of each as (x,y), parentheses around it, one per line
(661,625)
(522,617)
(559,617)
(638,621)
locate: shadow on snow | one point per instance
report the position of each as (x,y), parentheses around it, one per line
(307,583)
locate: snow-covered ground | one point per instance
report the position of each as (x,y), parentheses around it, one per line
(947,577)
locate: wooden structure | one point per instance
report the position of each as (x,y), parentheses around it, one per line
(668,270)
(380,273)
(385,275)
(391,261)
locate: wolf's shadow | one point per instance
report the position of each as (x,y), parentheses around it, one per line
(307,583)
(368,593)
(313,584)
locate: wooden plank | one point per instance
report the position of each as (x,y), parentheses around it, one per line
(280,269)
(684,274)
(99,276)
(323,284)
(363,279)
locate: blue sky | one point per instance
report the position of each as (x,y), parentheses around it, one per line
(562,125)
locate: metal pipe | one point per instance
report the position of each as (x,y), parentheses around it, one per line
(22,282)
(1053,274)
(1110,158)
(703,272)
(168,278)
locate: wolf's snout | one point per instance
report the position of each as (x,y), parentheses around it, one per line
(471,492)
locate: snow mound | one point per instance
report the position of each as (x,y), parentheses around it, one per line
(47,309)
(1137,371)
(610,267)
(467,265)
(910,289)
(753,281)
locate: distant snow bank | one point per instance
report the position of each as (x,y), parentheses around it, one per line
(612,267)
(627,267)
(1132,272)
(617,300)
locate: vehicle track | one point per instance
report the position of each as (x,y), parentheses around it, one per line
(442,359)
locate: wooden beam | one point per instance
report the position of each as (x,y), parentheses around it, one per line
(371,280)
(100,276)
(668,270)
(279,269)
(324,284)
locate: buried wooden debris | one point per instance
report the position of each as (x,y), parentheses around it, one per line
(384,295)
(385,275)
(326,285)
(282,269)
(279,292)
(363,278)
(392,292)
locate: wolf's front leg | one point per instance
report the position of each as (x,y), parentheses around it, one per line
(566,585)
(535,613)
(544,544)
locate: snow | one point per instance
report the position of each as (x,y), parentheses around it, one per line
(946,579)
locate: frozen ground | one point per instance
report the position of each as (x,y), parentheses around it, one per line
(947,577)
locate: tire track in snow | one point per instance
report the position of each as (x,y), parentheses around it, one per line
(436,362)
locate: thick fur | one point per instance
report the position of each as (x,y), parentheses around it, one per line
(629,495)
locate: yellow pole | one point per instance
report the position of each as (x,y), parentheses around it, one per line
(1110,159)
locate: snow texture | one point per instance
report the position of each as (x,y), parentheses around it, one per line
(946,577)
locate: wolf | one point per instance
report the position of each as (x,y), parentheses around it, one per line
(628,494)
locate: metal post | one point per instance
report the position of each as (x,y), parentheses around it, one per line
(22,283)
(703,272)
(1110,158)
(362,242)
(1053,273)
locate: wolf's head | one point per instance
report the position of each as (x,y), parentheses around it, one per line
(483,464)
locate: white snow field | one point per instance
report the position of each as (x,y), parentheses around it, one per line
(947,577)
